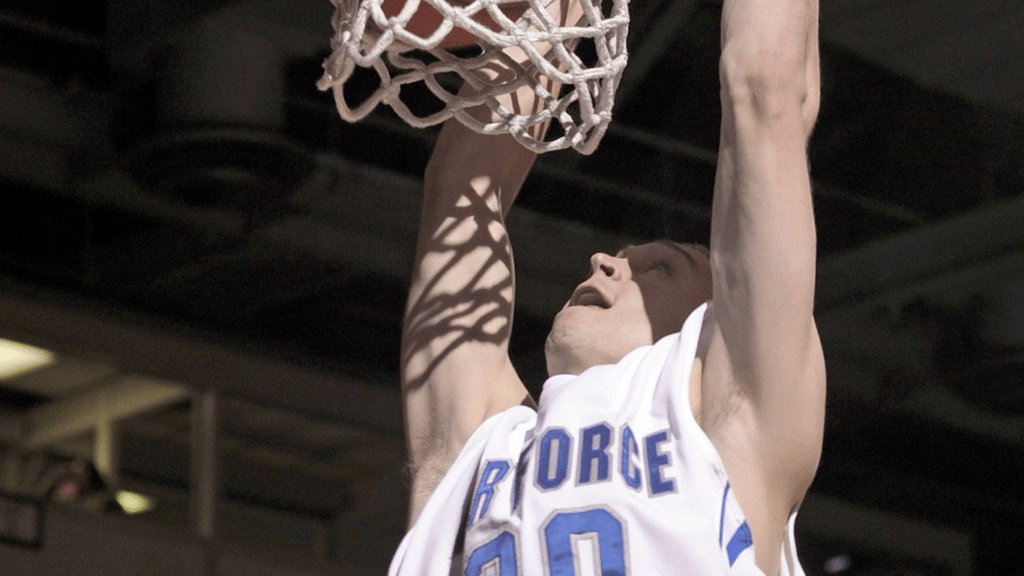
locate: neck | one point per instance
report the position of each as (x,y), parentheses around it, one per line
(563,359)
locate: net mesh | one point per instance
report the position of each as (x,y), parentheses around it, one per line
(365,36)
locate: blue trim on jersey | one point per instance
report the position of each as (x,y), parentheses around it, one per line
(739,542)
(721,517)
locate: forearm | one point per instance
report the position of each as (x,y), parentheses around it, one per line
(464,256)
(763,234)
(769,75)
(463,282)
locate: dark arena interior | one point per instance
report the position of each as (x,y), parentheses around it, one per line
(203,271)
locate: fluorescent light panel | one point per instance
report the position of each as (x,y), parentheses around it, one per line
(17,358)
(134,503)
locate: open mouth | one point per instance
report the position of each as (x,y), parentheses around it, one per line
(588,296)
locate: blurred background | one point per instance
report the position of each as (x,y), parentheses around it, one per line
(202,274)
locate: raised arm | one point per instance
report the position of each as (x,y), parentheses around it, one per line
(456,370)
(764,373)
(455,366)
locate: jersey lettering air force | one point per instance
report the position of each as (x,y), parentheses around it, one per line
(611,476)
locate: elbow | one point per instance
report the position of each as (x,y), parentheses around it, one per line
(767,86)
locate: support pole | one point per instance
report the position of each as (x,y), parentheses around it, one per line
(107,451)
(204,494)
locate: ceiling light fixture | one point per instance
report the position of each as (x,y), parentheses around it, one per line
(134,503)
(17,358)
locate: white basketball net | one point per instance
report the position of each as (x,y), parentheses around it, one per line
(364,36)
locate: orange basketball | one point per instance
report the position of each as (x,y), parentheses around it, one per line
(427,19)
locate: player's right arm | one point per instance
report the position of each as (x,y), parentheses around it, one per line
(456,371)
(455,367)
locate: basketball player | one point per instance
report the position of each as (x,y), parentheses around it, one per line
(682,421)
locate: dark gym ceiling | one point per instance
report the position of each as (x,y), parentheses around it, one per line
(264,226)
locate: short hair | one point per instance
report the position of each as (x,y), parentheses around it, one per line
(702,248)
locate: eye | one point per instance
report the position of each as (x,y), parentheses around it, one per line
(660,266)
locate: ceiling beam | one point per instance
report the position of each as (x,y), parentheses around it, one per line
(68,325)
(366,217)
(871,347)
(924,254)
(126,396)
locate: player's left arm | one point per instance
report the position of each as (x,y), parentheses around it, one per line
(763,249)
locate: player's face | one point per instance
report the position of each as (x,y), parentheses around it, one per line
(631,299)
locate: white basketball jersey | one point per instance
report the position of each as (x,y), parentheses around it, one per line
(611,476)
